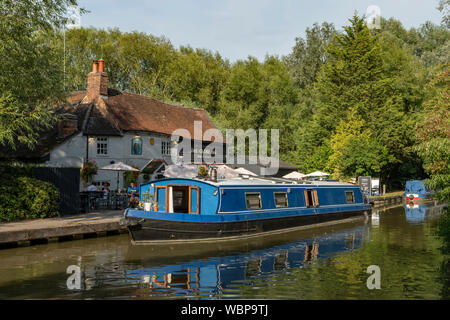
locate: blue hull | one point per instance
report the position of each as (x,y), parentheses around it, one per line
(157,227)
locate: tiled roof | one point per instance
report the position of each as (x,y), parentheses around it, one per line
(124,111)
(135,112)
(97,124)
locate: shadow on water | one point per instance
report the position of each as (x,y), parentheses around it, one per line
(319,263)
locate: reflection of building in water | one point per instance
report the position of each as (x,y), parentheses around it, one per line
(350,241)
(216,274)
(281,261)
(253,268)
(94,275)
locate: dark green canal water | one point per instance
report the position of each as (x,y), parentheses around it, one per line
(321,263)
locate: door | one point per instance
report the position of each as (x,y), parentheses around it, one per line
(311,199)
(316,200)
(161,198)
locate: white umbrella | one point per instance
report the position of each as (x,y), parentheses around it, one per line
(225,172)
(317,174)
(183,171)
(294,175)
(244,171)
(119,166)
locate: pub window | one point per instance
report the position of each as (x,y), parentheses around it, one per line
(253,200)
(281,199)
(136,146)
(102,145)
(349,197)
(165,147)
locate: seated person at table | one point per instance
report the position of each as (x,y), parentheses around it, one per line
(90,187)
(105,190)
(133,194)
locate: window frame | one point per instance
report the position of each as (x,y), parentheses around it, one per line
(102,144)
(165,148)
(275,199)
(353,196)
(260,200)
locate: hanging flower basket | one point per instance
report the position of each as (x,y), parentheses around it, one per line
(88,171)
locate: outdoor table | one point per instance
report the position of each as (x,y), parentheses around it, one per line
(91,196)
(119,200)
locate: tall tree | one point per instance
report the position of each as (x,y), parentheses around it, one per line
(433,133)
(29,79)
(354,150)
(308,55)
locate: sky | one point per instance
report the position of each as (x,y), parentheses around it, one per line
(241,28)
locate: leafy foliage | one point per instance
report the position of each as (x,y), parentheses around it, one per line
(29,77)
(24,197)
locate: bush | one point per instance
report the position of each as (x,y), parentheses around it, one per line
(27,198)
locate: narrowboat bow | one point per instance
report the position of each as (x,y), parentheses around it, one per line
(200,210)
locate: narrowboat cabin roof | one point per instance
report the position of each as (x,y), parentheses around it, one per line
(255,181)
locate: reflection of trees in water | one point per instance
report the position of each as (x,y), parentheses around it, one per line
(444,277)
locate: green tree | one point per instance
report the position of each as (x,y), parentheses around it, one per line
(433,134)
(308,55)
(381,83)
(354,151)
(30,81)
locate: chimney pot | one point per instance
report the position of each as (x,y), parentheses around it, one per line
(100,65)
(95,66)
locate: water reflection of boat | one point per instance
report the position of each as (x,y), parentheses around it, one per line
(417,212)
(243,263)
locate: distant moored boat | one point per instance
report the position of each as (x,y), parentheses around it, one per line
(416,190)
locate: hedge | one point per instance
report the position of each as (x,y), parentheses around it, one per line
(25,197)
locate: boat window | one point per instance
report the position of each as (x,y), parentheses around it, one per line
(349,197)
(280,199)
(253,200)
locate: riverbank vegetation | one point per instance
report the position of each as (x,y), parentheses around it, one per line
(22,196)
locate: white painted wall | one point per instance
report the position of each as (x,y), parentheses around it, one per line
(72,153)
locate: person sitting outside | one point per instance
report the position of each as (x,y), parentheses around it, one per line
(106,190)
(90,187)
(103,202)
(133,194)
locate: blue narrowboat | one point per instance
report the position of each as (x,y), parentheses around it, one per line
(416,190)
(179,209)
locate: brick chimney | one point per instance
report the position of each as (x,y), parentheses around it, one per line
(97,82)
